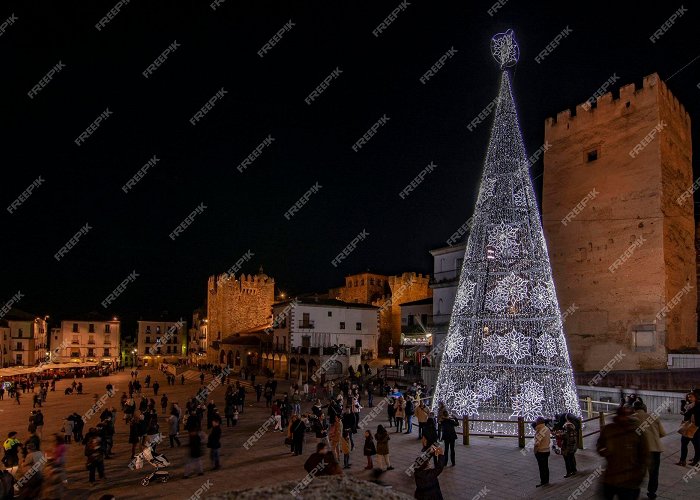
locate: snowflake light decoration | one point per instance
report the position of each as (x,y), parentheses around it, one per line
(487,187)
(546,346)
(503,238)
(505,49)
(541,297)
(508,291)
(485,388)
(466,403)
(492,345)
(454,347)
(528,402)
(571,401)
(514,346)
(519,197)
(532,390)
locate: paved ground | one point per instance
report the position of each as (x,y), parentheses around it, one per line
(495,464)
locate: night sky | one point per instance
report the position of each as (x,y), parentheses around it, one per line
(312,143)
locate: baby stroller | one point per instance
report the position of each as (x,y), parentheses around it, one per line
(158,462)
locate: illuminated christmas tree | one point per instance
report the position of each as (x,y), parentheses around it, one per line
(505,354)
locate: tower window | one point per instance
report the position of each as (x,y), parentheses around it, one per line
(592,156)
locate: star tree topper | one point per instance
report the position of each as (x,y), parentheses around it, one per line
(505,49)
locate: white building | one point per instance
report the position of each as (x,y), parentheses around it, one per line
(24,338)
(447,265)
(309,330)
(93,338)
(161,341)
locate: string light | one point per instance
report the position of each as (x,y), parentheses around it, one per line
(506,354)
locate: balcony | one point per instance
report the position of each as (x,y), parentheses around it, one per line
(91,342)
(76,342)
(107,342)
(306,324)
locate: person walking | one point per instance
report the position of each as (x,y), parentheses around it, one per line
(542,442)
(214,443)
(345,447)
(653,432)
(382,437)
(369,449)
(298,429)
(400,415)
(449,436)
(182,379)
(11,448)
(194,462)
(156,386)
(39,423)
(626,453)
(173,429)
(690,429)
(409,410)
(94,454)
(569,444)
(163,402)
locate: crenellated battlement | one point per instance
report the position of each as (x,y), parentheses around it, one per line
(630,97)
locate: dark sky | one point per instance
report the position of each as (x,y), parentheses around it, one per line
(265,96)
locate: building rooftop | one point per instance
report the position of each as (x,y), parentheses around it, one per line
(318,301)
(421,302)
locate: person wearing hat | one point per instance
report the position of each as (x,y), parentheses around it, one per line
(542,444)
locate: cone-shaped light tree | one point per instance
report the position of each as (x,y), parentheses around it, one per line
(505,354)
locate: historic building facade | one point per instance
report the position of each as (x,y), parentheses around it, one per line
(620,229)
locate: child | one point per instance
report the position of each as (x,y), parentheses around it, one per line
(369,449)
(345,447)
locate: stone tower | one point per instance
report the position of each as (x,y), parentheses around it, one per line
(619,228)
(236,304)
(405,288)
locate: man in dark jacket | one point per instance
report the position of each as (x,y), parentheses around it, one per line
(427,483)
(449,436)
(626,453)
(214,442)
(323,461)
(409,410)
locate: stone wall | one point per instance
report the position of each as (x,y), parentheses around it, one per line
(627,210)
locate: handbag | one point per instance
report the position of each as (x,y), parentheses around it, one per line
(288,441)
(688,428)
